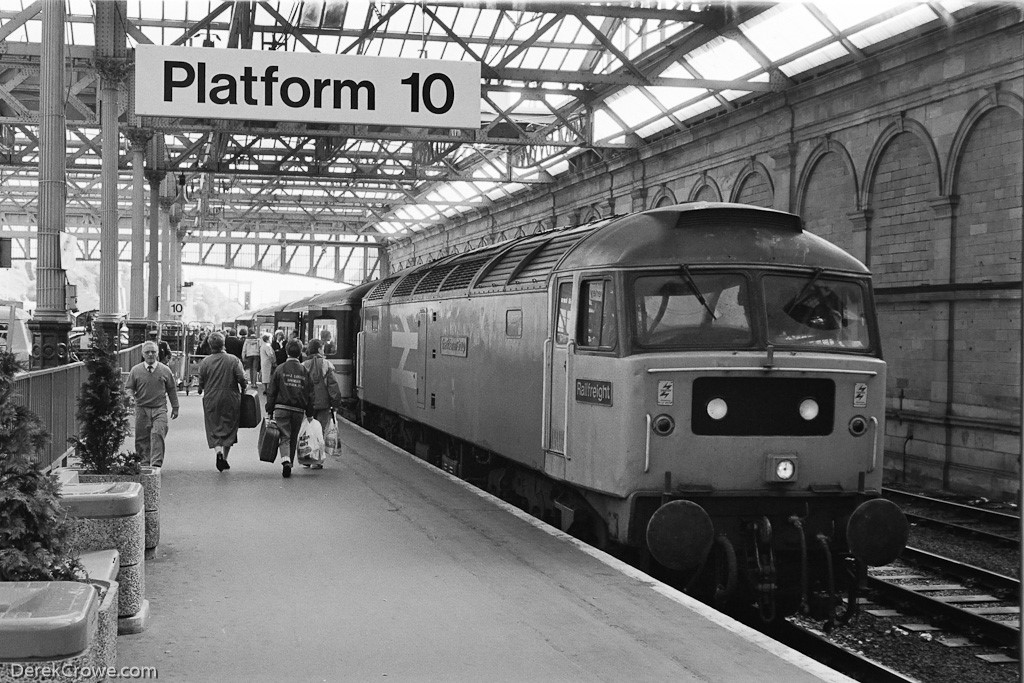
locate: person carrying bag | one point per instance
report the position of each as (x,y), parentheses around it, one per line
(310,449)
(288,403)
(332,443)
(326,390)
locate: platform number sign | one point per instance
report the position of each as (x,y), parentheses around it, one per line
(665,390)
(860,395)
(177,307)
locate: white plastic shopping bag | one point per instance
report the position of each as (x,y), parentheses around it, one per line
(332,445)
(310,447)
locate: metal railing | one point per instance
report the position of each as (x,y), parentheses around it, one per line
(52,394)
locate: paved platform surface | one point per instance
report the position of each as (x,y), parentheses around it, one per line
(381,568)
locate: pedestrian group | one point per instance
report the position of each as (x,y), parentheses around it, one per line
(297,389)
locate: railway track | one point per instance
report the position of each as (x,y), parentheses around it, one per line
(992,525)
(931,596)
(954,606)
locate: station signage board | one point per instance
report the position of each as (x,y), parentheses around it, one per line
(305,87)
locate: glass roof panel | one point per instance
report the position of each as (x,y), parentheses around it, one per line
(893,26)
(784,30)
(721,58)
(673,97)
(846,15)
(655,127)
(819,57)
(604,125)
(632,106)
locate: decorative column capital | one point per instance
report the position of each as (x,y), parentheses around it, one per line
(114,70)
(944,205)
(139,137)
(859,219)
(154,176)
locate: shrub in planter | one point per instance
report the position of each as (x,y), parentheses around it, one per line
(35,532)
(103,414)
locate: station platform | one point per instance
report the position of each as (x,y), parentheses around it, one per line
(380,567)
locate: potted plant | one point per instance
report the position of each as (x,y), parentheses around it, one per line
(35,532)
(104,413)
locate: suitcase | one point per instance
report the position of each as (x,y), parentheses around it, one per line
(270,438)
(249,415)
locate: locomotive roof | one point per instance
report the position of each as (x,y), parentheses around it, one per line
(335,297)
(693,234)
(705,233)
(298,305)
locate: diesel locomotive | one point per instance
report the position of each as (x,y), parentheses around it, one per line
(701,386)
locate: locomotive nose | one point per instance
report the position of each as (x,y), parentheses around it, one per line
(877,532)
(679,534)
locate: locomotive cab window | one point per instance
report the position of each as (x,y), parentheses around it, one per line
(597,325)
(562,314)
(692,309)
(816,311)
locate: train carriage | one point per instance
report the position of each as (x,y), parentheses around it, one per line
(333,318)
(702,383)
(290,317)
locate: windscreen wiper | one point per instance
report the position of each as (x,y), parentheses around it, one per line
(803,292)
(685,270)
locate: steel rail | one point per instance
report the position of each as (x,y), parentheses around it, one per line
(959,618)
(820,649)
(961,570)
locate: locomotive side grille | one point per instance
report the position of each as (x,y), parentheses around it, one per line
(380,288)
(499,274)
(405,287)
(463,274)
(543,262)
(432,279)
(762,406)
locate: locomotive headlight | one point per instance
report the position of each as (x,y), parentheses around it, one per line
(781,468)
(784,470)
(808,409)
(717,408)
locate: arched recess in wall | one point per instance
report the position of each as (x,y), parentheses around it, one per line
(985,176)
(826,196)
(590,213)
(663,197)
(706,190)
(754,186)
(902,178)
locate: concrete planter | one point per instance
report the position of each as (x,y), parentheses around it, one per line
(150,481)
(110,515)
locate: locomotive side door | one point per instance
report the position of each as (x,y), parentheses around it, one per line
(421,346)
(559,343)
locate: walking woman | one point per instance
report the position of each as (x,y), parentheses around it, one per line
(267,361)
(221,381)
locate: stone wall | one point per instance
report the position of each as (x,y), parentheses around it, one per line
(912,161)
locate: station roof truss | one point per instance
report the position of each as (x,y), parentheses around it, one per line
(563,85)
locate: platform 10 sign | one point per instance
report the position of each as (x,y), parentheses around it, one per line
(176,307)
(315,88)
